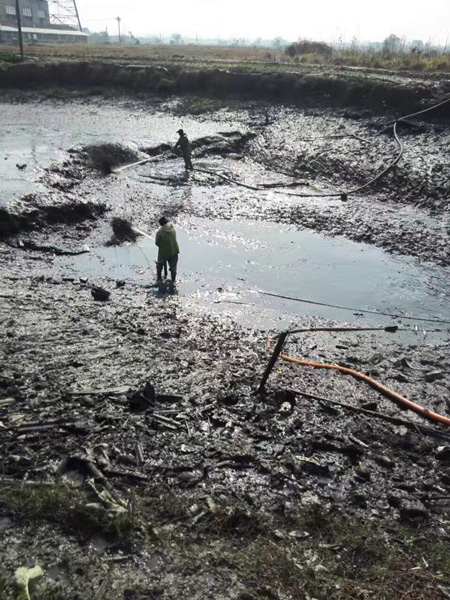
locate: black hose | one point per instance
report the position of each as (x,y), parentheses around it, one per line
(245,185)
(343,195)
(425,110)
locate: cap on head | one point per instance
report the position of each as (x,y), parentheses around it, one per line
(163,221)
(180,131)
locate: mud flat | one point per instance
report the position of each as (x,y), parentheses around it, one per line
(138,461)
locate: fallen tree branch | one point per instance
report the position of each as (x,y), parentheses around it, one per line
(373,414)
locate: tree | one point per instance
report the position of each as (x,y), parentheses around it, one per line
(279,43)
(392,43)
(308,47)
(417,46)
(177,40)
(101,37)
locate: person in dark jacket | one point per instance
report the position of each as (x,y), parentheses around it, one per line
(168,249)
(185,145)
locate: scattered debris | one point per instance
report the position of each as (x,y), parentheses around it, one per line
(100,294)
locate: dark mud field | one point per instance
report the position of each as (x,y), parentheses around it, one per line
(138,461)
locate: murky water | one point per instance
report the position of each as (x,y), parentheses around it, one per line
(224,264)
(30,137)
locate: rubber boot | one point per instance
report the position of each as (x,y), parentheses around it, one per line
(159,269)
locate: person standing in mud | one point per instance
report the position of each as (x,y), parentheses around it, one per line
(168,249)
(185,145)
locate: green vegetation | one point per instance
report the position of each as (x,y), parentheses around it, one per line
(71,509)
(328,556)
(308,553)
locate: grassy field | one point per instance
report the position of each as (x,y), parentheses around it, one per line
(236,57)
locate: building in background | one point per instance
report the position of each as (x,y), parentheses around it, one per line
(36,24)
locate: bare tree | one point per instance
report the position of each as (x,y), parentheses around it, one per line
(392,43)
(176,39)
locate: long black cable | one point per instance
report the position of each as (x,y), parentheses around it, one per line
(367,311)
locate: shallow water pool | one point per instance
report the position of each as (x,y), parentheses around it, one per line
(225,264)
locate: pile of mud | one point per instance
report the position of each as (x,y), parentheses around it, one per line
(60,206)
(122,232)
(103,157)
(38,216)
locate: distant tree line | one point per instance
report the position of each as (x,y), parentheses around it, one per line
(393,44)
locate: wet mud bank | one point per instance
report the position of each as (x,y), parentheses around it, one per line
(139,453)
(336,88)
(138,460)
(264,162)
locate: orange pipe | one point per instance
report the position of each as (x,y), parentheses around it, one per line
(429,414)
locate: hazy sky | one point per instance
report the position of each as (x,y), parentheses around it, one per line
(319,19)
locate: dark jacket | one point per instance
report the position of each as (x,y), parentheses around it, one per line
(184,144)
(166,240)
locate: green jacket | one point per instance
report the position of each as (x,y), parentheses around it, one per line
(166,240)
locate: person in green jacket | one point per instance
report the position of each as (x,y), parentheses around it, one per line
(168,249)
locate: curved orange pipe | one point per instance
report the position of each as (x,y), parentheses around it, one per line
(429,414)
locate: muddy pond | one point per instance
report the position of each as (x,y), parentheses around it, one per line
(224,265)
(233,245)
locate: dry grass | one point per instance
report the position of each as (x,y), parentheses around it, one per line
(237,57)
(152,53)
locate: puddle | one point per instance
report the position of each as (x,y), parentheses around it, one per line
(223,264)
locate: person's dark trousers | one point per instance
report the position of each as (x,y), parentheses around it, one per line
(159,270)
(188,163)
(173,261)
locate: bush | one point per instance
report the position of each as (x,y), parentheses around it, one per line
(9,57)
(308,47)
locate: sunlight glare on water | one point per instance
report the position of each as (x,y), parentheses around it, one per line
(226,261)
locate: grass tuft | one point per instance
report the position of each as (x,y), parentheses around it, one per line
(68,508)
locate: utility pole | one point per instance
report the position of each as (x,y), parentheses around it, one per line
(118,23)
(19,29)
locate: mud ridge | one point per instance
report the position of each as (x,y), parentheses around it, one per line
(41,216)
(328,89)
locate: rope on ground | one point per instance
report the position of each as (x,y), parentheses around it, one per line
(360,310)
(424,412)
